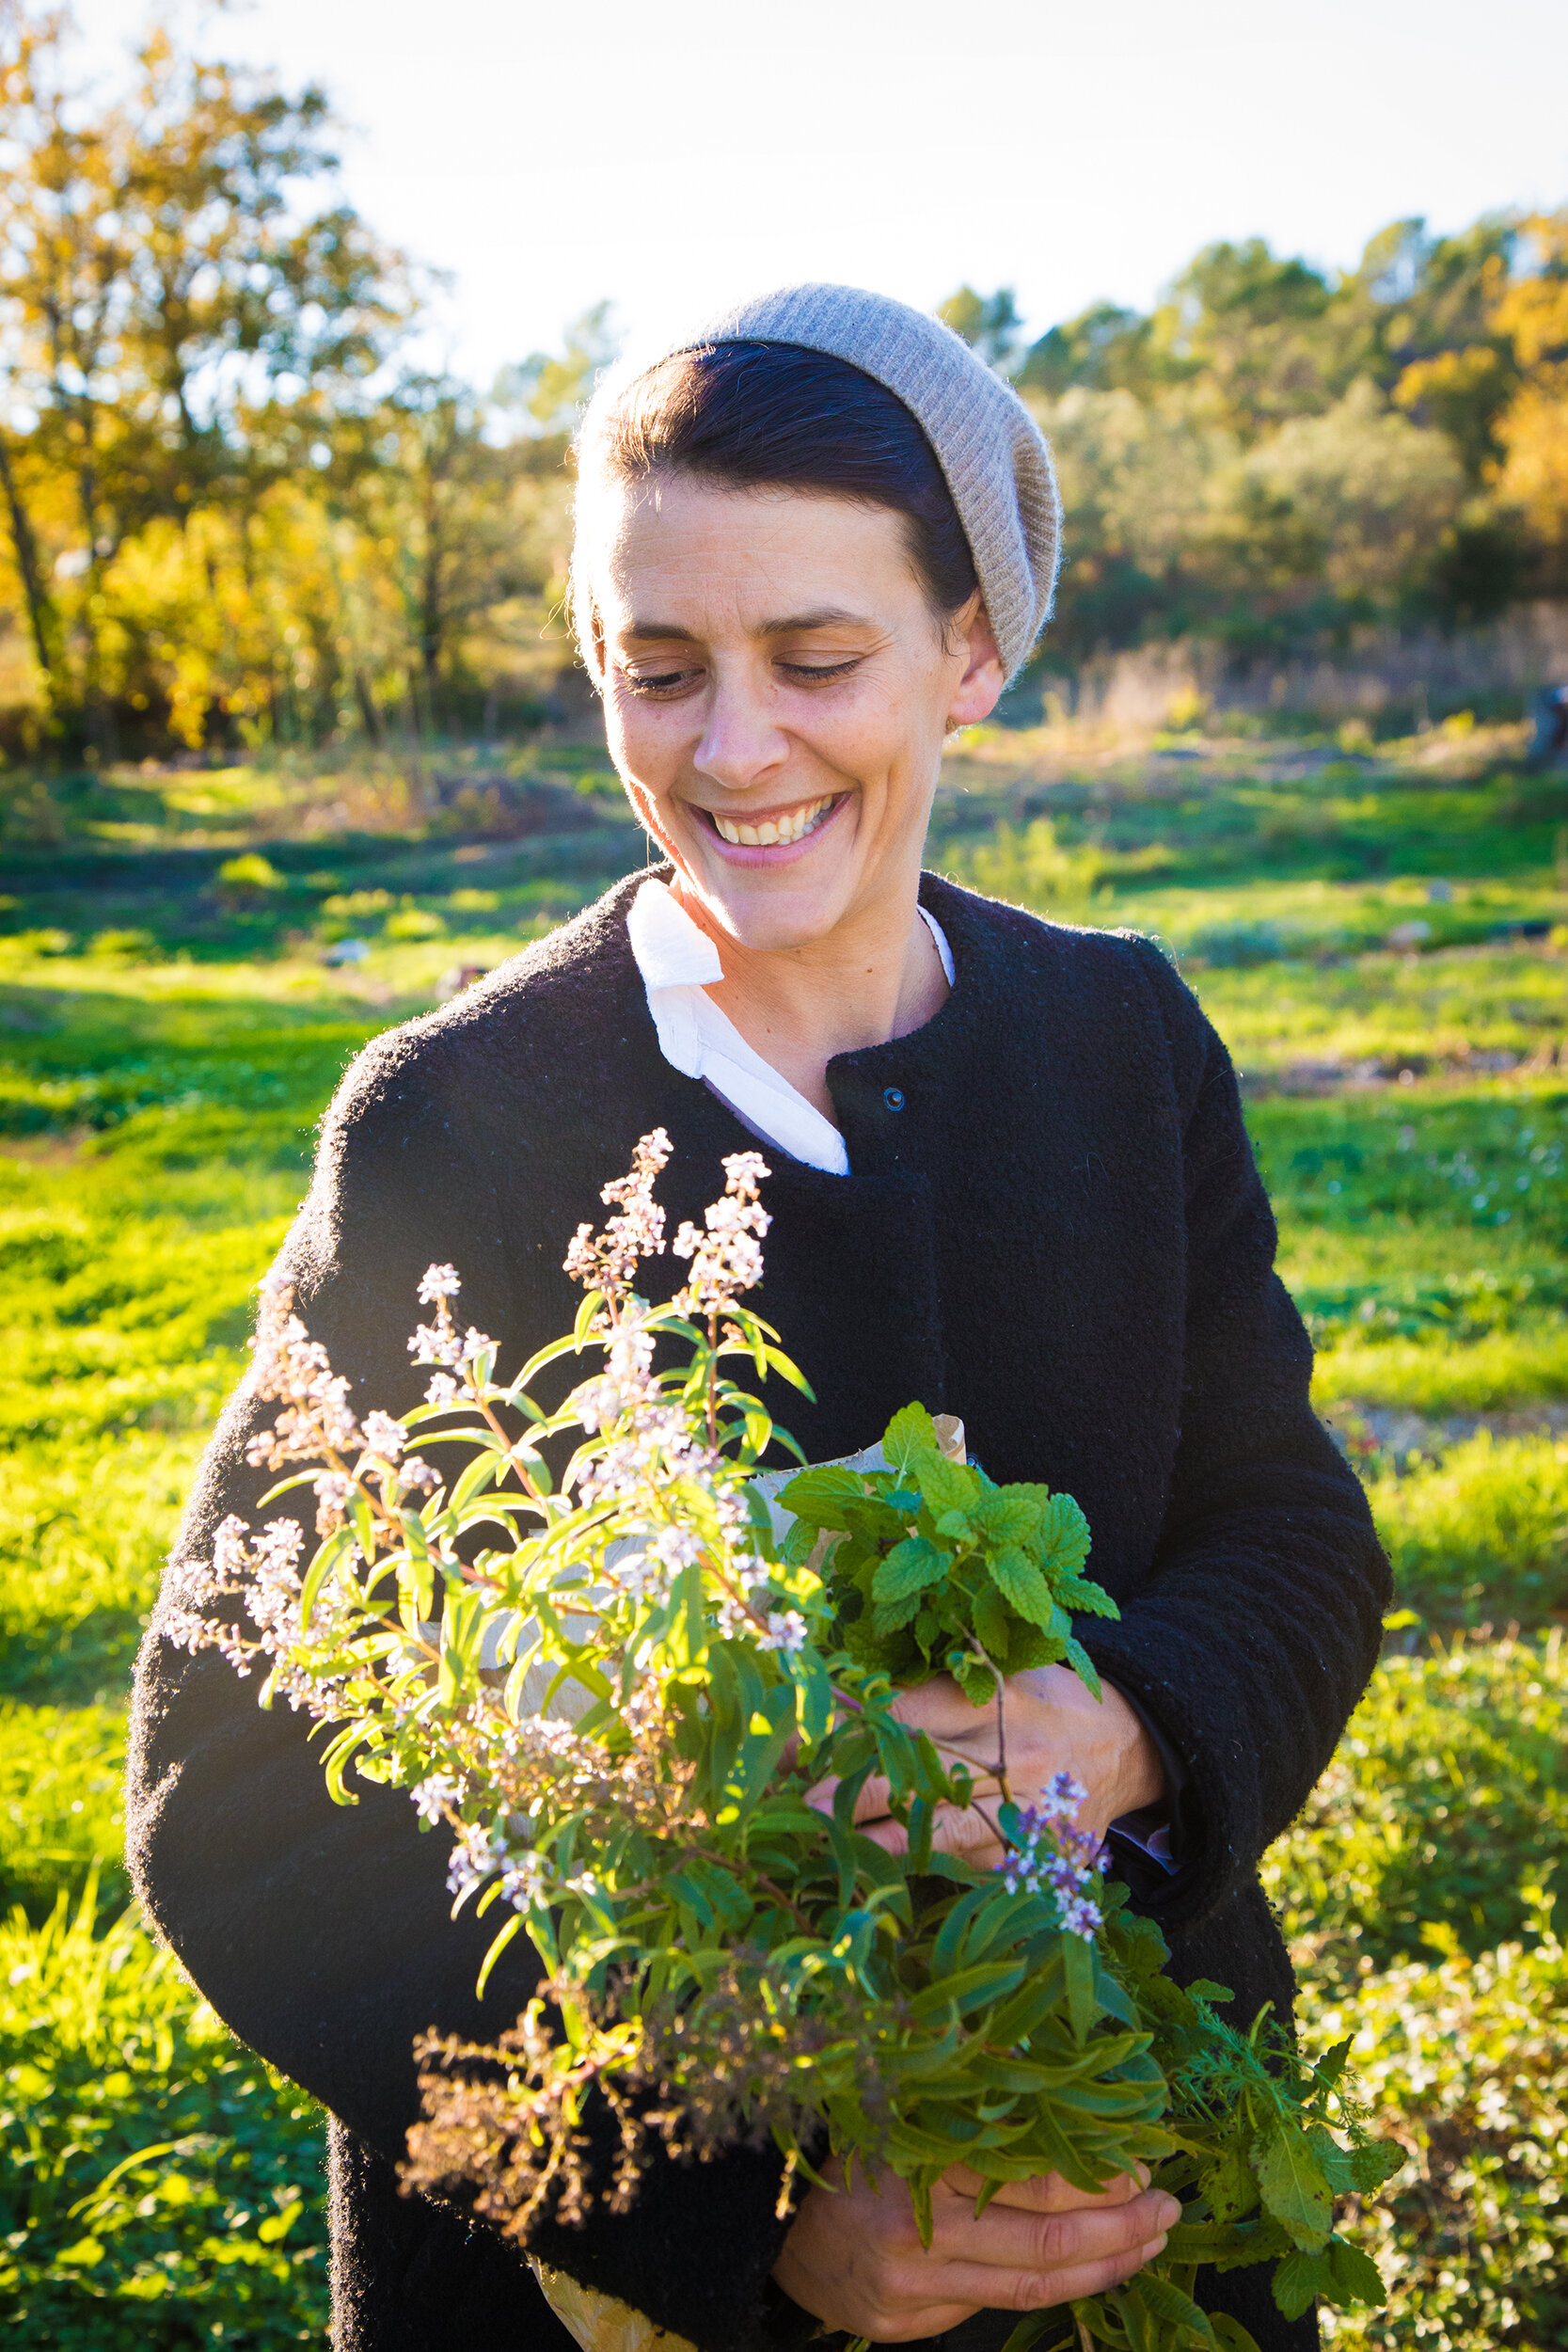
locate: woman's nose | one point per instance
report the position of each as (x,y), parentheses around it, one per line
(742,744)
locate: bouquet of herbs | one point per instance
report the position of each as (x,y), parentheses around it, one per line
(616,1687)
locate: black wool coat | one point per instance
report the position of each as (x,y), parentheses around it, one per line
(1053,1226)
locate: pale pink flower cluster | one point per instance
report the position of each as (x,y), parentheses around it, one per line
(650,1572)
(385,1438)
(266,1574)
(440,1342)
(316,1419)
(608,1261)
(1056,1857)
(483,1852)
(727,1258)
(740,1612)
(648,1442)
(652,1462)
(624,1385)
(316,1423)
(435,1793)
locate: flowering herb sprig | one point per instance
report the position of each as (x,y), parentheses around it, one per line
(582,1650)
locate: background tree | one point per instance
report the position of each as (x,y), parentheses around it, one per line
(990,324)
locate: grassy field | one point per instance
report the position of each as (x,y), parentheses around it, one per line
(1382,939)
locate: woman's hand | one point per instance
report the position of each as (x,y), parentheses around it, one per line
(1049,1725)
(854,2258)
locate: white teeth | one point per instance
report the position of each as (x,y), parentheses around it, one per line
(777,831)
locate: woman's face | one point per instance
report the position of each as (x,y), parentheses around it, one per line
(776,694)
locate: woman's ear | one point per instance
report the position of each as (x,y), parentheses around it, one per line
(980,690)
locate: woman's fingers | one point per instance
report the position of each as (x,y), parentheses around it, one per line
(1047,2192)
(971,1833)
(872,1802)
(1014,2239)
(941,1707)
(979,2287)
(855,2259)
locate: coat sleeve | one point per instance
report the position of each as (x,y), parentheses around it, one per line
(322,1934)
(1260,1620)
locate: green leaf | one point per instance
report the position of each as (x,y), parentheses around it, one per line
(975,1681)
(1029,2331)
(1176,2310)
(1230,2185)
(820,1496)
(947,1486)
(910,1433)
(1229,2333)
(1356,2278)
(1008,1516)
(1077,1657)
(1020,1584)
(1082,1594)
(1064,1536)
(1078,1959)
(1374,2163)
(1332,2064)
(1298,2279)
(1334,2163)
(1295,2190)
(992,1623)
(909,1568)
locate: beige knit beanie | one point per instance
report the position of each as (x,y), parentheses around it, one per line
(989,448)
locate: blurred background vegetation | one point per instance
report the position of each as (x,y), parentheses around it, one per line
(292,747)
(235,515)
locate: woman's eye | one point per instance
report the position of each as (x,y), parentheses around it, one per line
(657,682)
(814,672)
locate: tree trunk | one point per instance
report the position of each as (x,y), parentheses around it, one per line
(42,617)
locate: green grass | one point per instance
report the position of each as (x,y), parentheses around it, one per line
(1481,1536)
(159,2187)
(168,1041)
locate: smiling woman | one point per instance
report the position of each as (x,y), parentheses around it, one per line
(1009,1178)
(782,607)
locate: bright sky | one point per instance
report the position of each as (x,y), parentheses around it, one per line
(673,157)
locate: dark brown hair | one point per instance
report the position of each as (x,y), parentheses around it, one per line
(773,416)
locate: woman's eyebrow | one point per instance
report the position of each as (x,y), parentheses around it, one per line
(823,616)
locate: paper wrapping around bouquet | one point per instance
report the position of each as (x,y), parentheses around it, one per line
(597,2322)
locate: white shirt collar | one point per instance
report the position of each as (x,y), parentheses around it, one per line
(678,962)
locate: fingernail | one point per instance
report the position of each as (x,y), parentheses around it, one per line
(1155,2246)
(1168,2212)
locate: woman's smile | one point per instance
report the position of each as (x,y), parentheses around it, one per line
(774,836)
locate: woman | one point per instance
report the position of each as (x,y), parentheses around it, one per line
(1010,1179)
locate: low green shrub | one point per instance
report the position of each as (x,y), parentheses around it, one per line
(1446,1804)
(159,2189)
(1466,2063)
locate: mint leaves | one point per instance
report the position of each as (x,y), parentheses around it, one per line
(936,1569)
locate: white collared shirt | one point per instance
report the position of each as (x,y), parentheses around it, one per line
(678,962)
